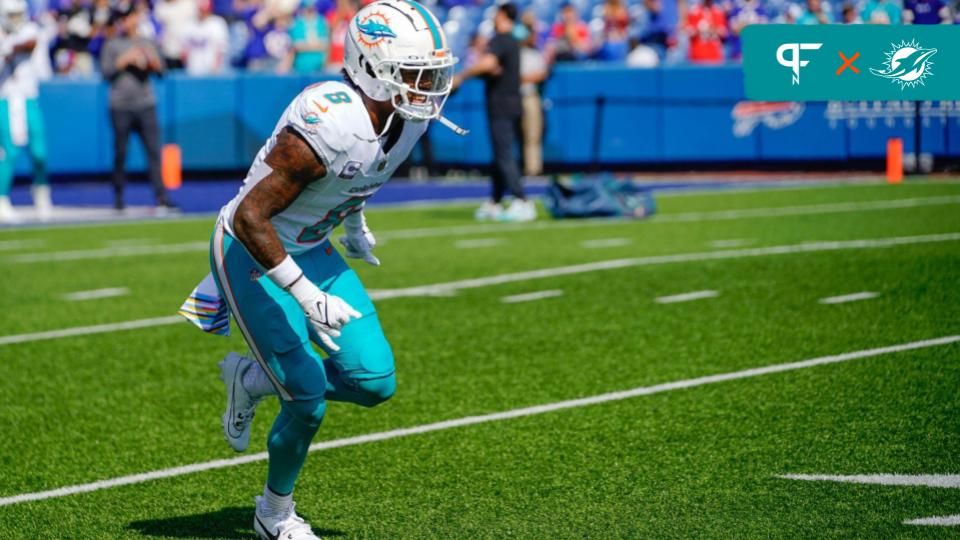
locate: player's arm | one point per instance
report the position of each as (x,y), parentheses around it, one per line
(294,166)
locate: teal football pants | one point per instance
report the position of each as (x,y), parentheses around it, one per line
(36,146)
(275,327)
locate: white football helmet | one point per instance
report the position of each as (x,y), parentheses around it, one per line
(396,50)
(13,13)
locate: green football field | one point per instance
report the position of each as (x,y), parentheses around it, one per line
(589,379)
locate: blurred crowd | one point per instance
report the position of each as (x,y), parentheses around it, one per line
(306,36)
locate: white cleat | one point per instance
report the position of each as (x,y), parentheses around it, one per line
(286,526)
(7,213)
(42,202)
(241,407)
(489,210)
(519,210)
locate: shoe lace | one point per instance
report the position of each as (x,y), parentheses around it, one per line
(294,524)
(245,416)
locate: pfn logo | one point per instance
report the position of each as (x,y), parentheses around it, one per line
(794,62)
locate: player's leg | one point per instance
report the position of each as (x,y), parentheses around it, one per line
(362,371)
(275,328)
(37,146)
(122,122)
(8,155)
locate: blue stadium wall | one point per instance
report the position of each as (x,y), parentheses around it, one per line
(611,116)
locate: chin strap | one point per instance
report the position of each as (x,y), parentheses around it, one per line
(453,127)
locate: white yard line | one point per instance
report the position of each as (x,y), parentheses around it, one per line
(600,243)
(854,297)
(531,296)
(451,287)
(806,247)
(127,242)
(686,297)
(731,243)
(684,217)
(478,243)
(938,521)
(929,480)
(482,419)
(433,232)
(88,330)
(10,245)
(111,252)
(96,294)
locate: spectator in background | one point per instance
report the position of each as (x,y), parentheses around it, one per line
(881,12)
(127,63)
(206,41)
(656,32)
(311,39)
(339,22)
(926,12)
(849,14)
(570,36)
(707,26)
(745,13)
(642,56)
(71,53)
(533,71)
(616,21)
(278,45)
(21,122)
(500,68)
(175,17)
(149,27)
(816,13)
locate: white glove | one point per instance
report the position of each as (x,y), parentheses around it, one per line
(327,313)
(359,241)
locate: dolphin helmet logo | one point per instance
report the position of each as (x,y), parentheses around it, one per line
(907,64)
(374,28)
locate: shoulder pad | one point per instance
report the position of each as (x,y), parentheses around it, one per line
(333,113)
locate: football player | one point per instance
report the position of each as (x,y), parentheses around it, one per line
(273,263)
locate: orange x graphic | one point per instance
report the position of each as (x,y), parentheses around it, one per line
(848,63)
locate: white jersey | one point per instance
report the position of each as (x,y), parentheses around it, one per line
(18,77)
(332,118)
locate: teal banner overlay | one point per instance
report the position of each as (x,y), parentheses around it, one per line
(851,62)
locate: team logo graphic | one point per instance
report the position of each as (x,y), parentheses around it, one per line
(794,62)
(907,64)
(747,115)
(374,28)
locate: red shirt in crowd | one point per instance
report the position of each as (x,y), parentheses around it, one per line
(707,26)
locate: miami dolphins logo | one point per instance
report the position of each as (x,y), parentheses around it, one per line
(374,29)
(907,64)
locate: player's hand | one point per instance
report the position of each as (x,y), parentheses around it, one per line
(326,312)
(359,245)
(359,241)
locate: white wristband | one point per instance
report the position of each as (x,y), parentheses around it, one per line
(286,273)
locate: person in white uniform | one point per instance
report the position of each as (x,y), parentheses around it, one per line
(21,122)
(274,266)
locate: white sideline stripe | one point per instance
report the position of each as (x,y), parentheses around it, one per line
(528,297)
(806,247)
(96,294)
(110,252)
(687,217)
(853,297)
(928,480)
(687,297)
(400,234)
(87,330)
(731,243)
(10,245)
(125,242)
(605,243)
(450,288)
(941,521)
(481,419)
(477,243)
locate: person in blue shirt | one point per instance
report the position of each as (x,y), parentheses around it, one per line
(311,39)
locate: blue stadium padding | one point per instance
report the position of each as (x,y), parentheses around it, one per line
(704,132)
(673,114)
(206,122)
(784,142)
